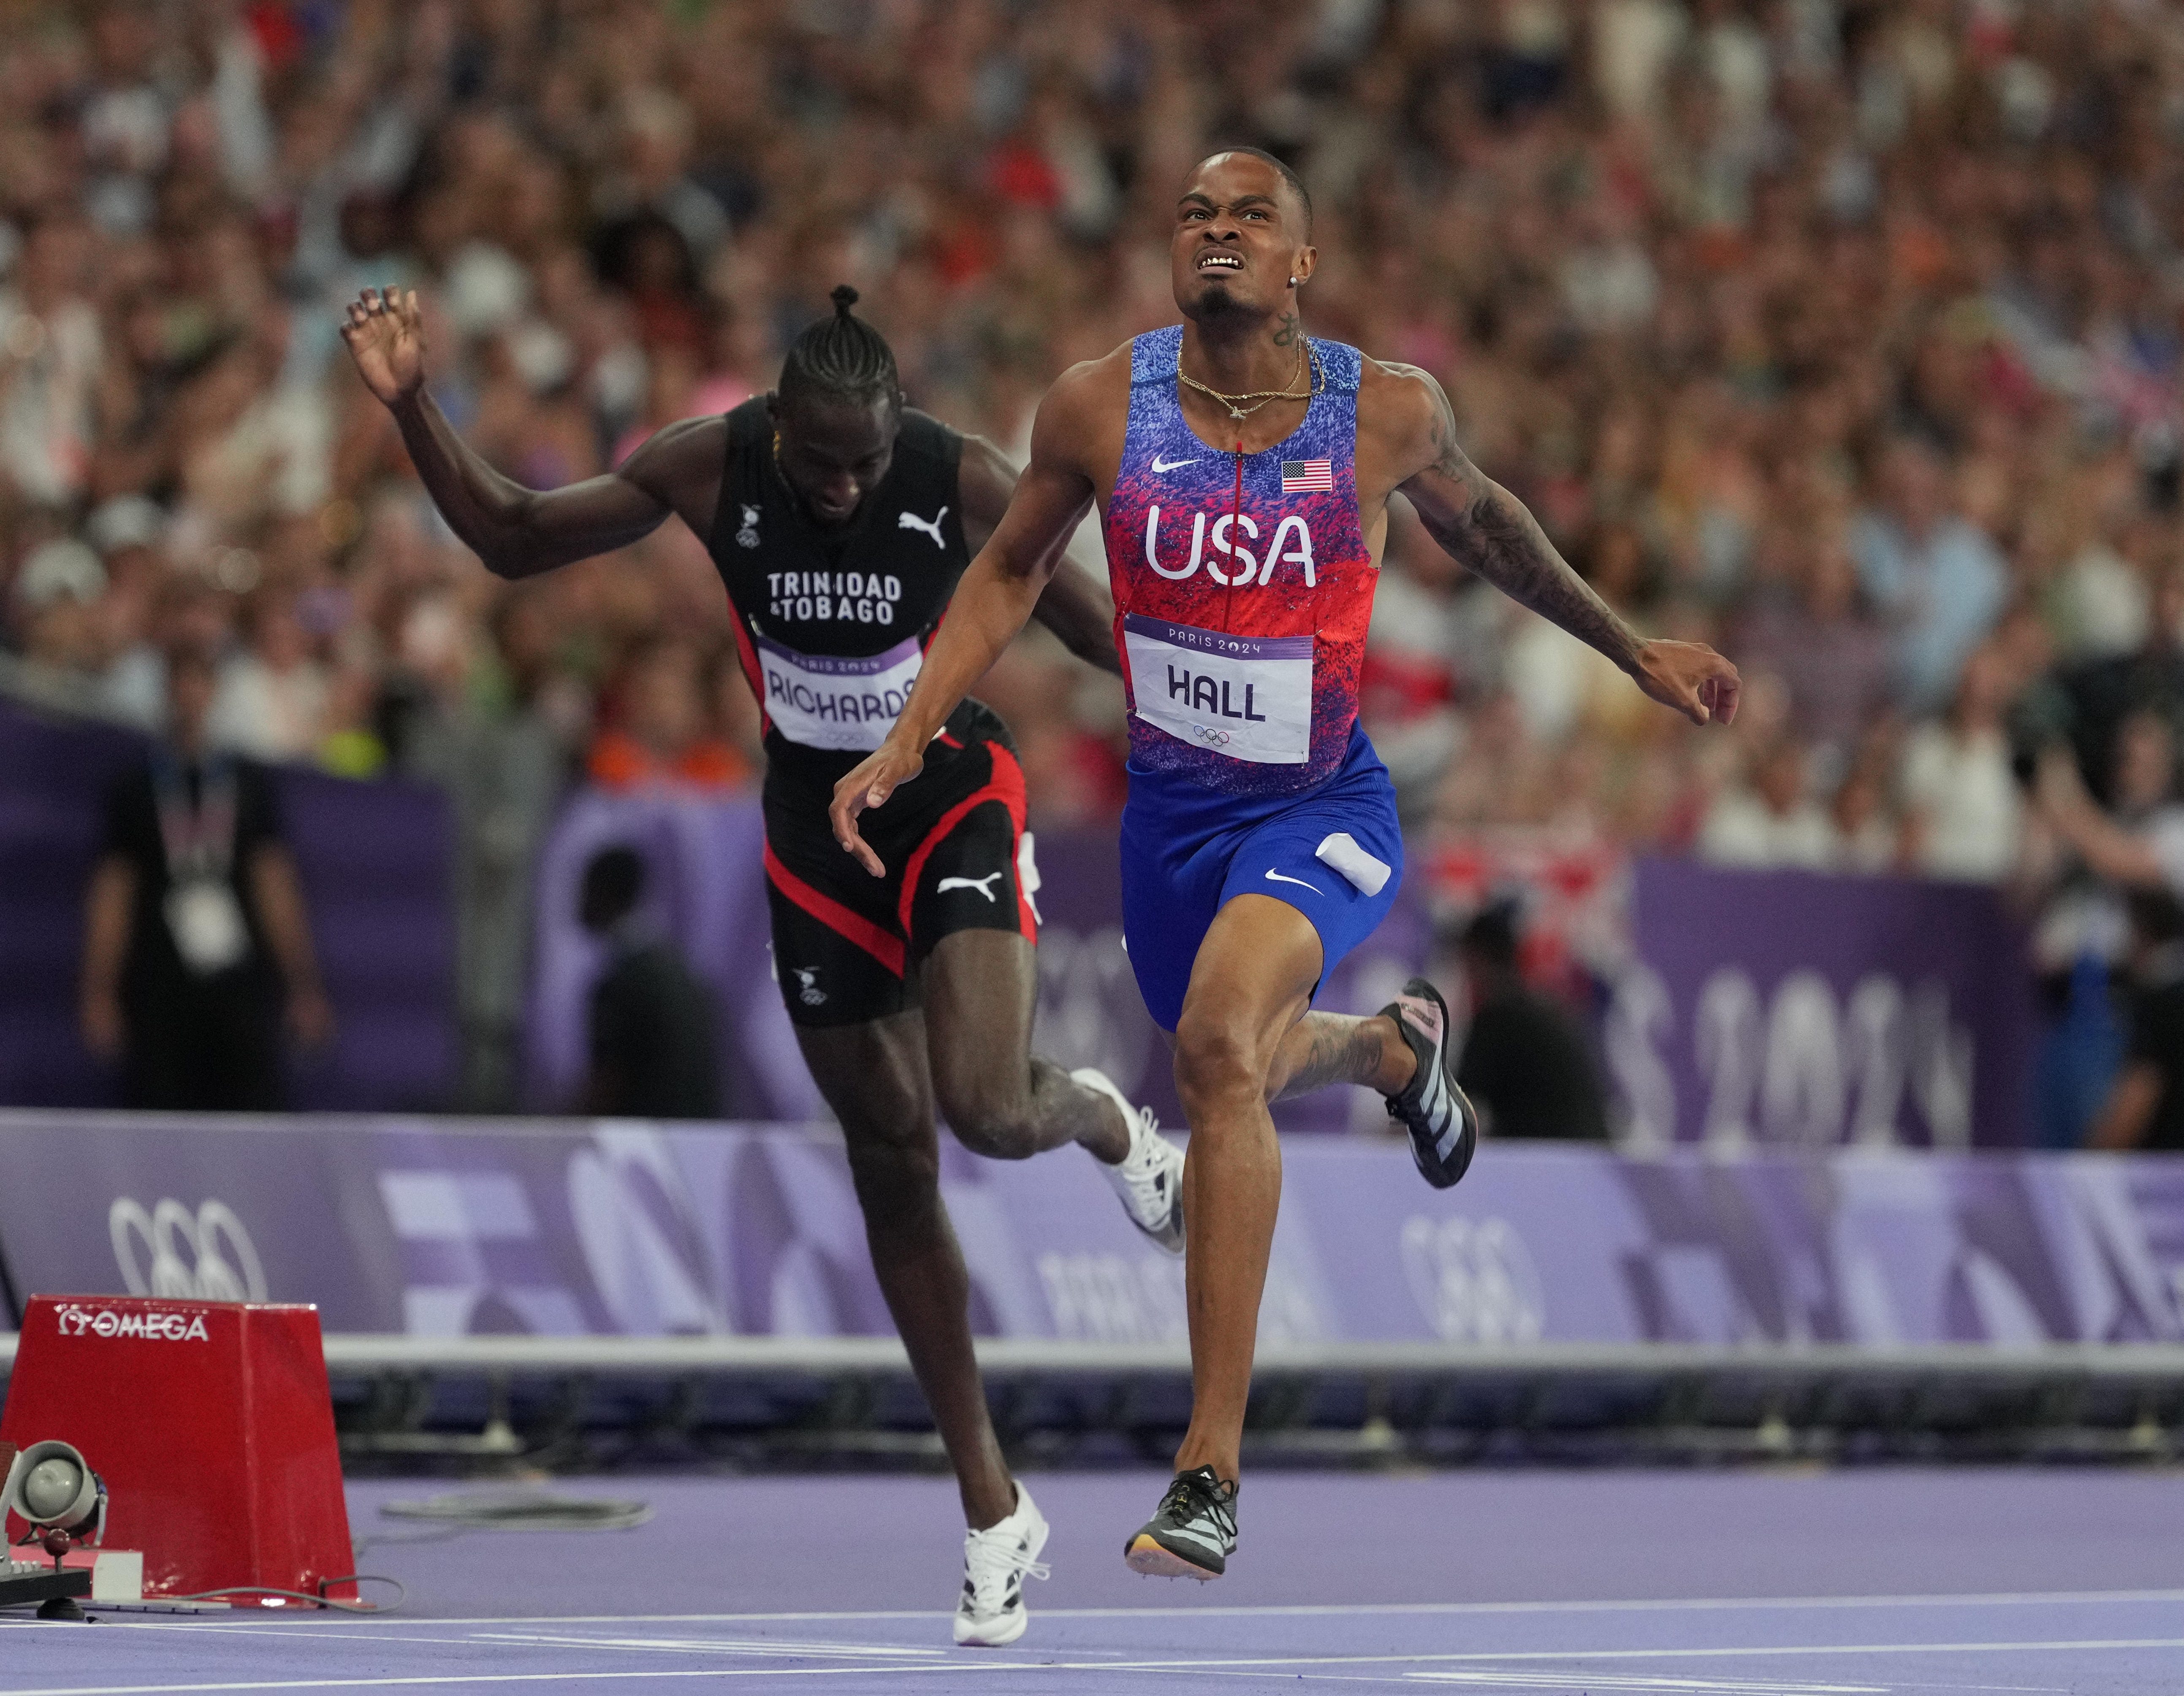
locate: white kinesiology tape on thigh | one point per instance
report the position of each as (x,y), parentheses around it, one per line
(1340,850)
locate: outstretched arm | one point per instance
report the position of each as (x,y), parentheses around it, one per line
(1488,531)
(997,595)
(517,532)
(1075,605)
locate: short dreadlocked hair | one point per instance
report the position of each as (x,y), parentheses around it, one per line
(841,358)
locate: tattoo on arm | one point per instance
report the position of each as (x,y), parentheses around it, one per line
(1490,531)
(1286,336)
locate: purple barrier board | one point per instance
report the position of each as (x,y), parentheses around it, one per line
(451,1228)
(1793,1009)
(375,865)
(707,891)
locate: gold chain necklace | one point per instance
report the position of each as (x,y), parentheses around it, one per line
(1261,397)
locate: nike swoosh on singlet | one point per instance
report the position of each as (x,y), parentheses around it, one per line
(1276,878)
(1159,465)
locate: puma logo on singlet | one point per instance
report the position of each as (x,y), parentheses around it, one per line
(931,527)
(977,884)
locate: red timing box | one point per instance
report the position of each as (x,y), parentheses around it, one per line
(212,1426)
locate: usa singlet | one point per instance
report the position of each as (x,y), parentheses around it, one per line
(1243,584)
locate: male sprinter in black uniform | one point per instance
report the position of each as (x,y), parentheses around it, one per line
(840,521)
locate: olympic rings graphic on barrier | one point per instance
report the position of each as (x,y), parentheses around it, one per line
(207,1255)
(1474,1280)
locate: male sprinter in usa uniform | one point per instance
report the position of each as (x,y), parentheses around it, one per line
(840,521)
(1243,470)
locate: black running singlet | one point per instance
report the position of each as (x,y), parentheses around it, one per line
(832,624)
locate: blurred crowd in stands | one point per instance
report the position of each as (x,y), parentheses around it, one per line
(1844,336)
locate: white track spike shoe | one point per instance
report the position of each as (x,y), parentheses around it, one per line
(996,1561)
(1149,1178)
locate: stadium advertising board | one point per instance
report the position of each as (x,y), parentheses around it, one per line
(1790,1009)
(446,1228)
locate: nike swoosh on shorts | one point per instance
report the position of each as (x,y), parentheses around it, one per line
(1276,878)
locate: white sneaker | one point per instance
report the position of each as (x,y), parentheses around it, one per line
(995,1562)
(1150,1179)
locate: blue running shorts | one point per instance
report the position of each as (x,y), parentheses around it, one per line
(1187,850)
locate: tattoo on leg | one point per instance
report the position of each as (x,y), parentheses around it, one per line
(1339,1050)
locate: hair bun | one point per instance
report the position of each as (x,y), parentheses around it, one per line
(843,297)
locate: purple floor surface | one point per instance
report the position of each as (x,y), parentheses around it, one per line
(1716,1584)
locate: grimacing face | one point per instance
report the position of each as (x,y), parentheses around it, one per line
(834,452)
(1239,238)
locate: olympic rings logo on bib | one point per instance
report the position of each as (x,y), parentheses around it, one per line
(1211,735)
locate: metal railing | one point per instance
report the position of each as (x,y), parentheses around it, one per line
(561,1398)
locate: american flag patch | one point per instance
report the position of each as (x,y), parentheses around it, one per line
(1307,476)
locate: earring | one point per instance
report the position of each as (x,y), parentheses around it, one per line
(1292,283)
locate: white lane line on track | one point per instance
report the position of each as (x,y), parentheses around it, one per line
(1590,1679)
(1496,1656)
(392,1636)
(1595,1680)
(776,1646)
(1999,1598)
(1232,1665)
(458,1678)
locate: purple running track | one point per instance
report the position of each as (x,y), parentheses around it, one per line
(1919,1581)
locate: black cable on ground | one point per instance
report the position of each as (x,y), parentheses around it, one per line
(401,1594)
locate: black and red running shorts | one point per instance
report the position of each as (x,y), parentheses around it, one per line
(847,946)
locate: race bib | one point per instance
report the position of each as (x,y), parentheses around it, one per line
(1249,697)
(825,701)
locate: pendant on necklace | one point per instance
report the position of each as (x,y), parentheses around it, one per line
(1235,412)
